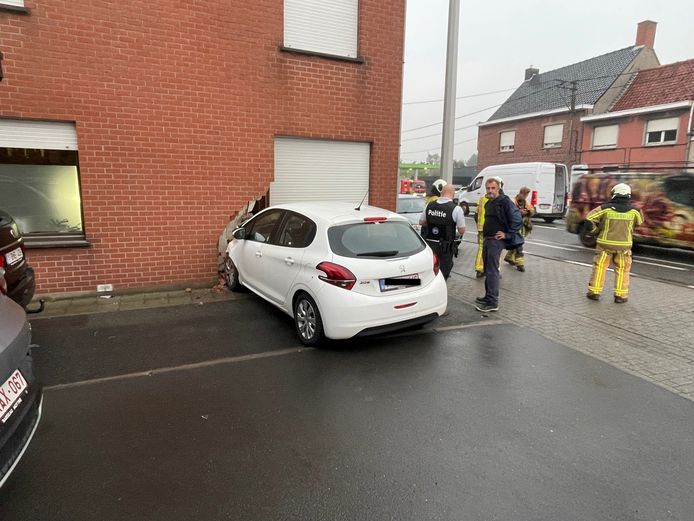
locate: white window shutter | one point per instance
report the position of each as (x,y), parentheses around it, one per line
(323,26)
(507,140)
(605,136)
(16,3)
(660,125)
(553,134)
(48,135)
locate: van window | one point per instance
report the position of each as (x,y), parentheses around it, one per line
(680,190)
(475,184)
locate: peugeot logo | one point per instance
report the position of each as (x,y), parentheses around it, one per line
(402,268)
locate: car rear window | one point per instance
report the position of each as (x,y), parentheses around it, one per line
(411,205)
(375,240)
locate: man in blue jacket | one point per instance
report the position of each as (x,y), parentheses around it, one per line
(502,223)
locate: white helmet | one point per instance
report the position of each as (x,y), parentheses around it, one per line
(438,185)
(622,189)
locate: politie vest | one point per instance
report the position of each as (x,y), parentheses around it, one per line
(440,223)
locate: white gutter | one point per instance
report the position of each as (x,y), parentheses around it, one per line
(640,110)
(532,115)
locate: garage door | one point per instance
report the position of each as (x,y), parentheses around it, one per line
(48,135)
(320,170)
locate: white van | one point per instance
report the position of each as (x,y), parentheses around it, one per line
(548,183)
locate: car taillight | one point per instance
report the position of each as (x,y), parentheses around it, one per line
(437,266)
(2,261)
(3,282)
(337,275)
(533,198)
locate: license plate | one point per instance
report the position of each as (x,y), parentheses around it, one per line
(14,256)
(393,283)
(11,395)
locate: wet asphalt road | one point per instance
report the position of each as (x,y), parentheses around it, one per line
(489,422)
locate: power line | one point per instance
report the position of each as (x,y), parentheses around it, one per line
(438,148)
(460,97)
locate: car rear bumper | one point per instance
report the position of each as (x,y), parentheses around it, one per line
(22,291)
(350,313)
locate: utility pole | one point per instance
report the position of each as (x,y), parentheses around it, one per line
(450,91)
(572,112)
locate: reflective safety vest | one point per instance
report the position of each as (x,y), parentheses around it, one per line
(615,222)
(480,212)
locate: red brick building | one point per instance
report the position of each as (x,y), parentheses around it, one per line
(132,130)
(541,120)
(650,127)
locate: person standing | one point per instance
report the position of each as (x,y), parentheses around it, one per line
(434,194)
(442,219)
(479,216)
(613,223)
(515,257)
(502,223)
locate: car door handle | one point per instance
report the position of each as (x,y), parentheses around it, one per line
(289,261)
(259,254)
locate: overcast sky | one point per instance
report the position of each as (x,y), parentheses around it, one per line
(499,39)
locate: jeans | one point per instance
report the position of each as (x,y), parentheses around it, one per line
(491,251)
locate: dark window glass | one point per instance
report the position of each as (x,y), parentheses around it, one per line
(476,184)
(653,137)
(680,189)
(670,135)
(297,232)
(375,240)
(260,228)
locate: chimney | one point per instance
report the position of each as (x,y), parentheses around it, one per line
(530,72)
(645,33)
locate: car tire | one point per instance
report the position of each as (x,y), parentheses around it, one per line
(307,320)
(465,207)
(587,239)
(231,275)
(549,220)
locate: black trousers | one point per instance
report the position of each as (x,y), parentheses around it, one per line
(444,251)
(491,251)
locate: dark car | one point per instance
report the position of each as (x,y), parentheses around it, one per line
(18,274)
(20,394)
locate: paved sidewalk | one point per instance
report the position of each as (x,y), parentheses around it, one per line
(652,336)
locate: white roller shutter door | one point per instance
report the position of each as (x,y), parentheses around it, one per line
(320,170)
(48,135)
(325,26)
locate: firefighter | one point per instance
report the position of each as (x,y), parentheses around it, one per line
(613,225)
(435,191)
(479,217)
(516,257)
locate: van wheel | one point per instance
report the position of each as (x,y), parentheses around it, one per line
(549,219)
(465,207)
(231,275)
(307,319)
(587,239)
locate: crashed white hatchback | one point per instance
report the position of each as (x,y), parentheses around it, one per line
(339,271)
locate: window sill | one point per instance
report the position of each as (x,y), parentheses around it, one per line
(665,144)
(548,147)
(358,59)
(609,147)
(507,151)
(55,241)
(14,8)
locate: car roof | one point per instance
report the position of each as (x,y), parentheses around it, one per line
(337,212)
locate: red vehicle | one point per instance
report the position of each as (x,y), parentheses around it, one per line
(413,186)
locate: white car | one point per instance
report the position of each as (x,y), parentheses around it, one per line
(339,271)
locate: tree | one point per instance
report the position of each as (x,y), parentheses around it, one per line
(472,161)
(433,159)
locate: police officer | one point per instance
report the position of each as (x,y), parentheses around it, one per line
(442,219)
(613,223)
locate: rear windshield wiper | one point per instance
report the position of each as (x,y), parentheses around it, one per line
(387,253)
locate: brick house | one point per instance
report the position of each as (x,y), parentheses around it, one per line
(650,127)
(131,131)
(541,120)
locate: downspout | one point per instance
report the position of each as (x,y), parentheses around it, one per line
(690,133)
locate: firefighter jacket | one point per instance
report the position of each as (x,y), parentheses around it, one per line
(480,212)
(614,222)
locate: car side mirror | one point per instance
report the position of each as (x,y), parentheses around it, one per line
(239,234)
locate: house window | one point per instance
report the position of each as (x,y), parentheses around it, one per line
(507,141)
(39,179)
(322,26)
(605,136)
(553,136)
(662,131)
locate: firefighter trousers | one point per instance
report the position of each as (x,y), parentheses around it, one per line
(479,259)
(622,266)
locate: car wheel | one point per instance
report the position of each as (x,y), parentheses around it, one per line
(587,239)
(231,274)
(549,220)
(465,207)
(307,319)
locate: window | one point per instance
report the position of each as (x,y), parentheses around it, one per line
(322,26)
(507,141)
(298,232)
(553,136)
(375,240)
(475,184)
(662,131)
(605,137)
(260,228)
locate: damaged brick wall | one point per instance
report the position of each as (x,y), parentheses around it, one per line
(176,107)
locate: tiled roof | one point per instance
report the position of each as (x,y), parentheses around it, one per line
(658,86)
(542,93)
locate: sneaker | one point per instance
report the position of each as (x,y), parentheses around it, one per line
(592,296)
(479,274)
(521,269)
(486,307)
(620,300)
(481,300)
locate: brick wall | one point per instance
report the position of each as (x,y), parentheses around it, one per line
(529,142)
(176,106)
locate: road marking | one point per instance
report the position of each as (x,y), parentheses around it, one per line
(186,367)
(692,287)
(547,227)
(551,246)
(665,260)
(578,263)
(661,265)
